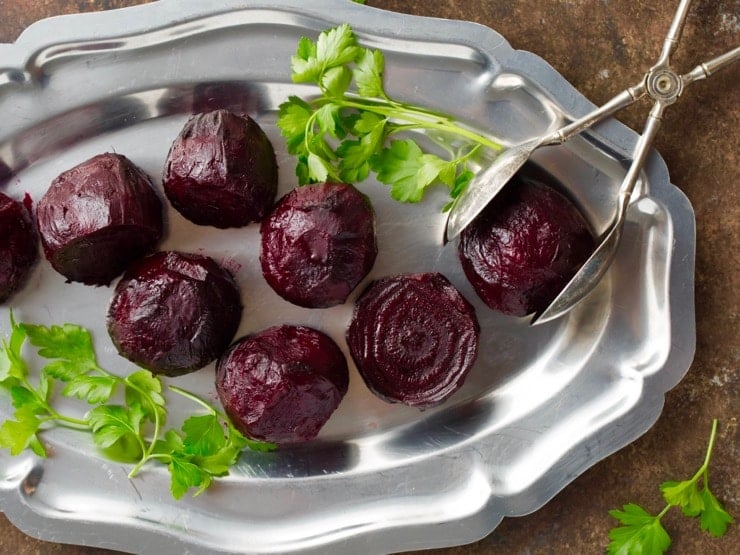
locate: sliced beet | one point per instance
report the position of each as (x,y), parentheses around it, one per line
(221,170)
(19,248)
(525,246)
(97,218)
(174,312)
(282,384)
(413,338)
(318,244)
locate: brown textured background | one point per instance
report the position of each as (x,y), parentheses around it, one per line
(601,46)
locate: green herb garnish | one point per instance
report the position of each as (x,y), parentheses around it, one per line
(342,134)
(642,533)
(205,447)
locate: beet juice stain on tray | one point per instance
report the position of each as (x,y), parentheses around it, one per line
(537,408)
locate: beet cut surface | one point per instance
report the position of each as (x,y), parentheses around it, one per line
(173,312)
(525,246)
(97,218)
(282,384)
(19,249)
(413,338)
(318,244)
(221,170)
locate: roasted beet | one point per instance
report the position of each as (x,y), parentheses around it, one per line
(18,245)
(318,244)
(525,246)
(97,218)
(282,384)
(413,338)
(174,312)
(221,170)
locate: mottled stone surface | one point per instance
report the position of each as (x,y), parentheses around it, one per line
(601,46)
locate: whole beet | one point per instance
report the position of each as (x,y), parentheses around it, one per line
(97,218)
(413,338)
(174,312)
(19,249)
(221,170)
(318,244)
(525,246)
(282,384)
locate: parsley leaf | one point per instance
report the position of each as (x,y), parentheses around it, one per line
(683,494)
(207,447)
(16,435)
(342,133)
(336,47)
(714,518)
(407,170)
(70,345)
(203,435)
(186,475)
(640,532)
(293,119)
(110,423)
(93,389)
(643,534)
(369,73)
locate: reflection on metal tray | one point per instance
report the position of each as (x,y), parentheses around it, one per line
(541,405)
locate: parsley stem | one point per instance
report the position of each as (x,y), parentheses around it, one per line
(68,420)
(146,451)
(428,120)
(194,398)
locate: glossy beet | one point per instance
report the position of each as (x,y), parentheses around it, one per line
(282,384)
(221,170)
(173,312)
(19,249)
(413,338)
(318,244)
(97,218)
(525,246)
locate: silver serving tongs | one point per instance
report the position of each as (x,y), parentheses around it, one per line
(663,85)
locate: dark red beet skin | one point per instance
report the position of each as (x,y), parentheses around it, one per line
(19,249)
(282,384)
(524,247)
(173,312)
(221,170)
(318,244)
(97,218)
(413,338)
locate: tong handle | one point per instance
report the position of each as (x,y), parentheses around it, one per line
(674,33)
(702,71)
(642,149)
(621,100)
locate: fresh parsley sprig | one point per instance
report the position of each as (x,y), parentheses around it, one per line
(643,533)
(205,447)
(343,133)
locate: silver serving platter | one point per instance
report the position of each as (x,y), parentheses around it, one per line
(541,405)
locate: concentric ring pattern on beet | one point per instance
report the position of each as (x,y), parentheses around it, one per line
(98,217)
(174,312)
(318,244)
(282,384)
(414,338)
(525,246)
(221,170)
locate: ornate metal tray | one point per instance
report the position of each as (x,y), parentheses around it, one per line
(542,404)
